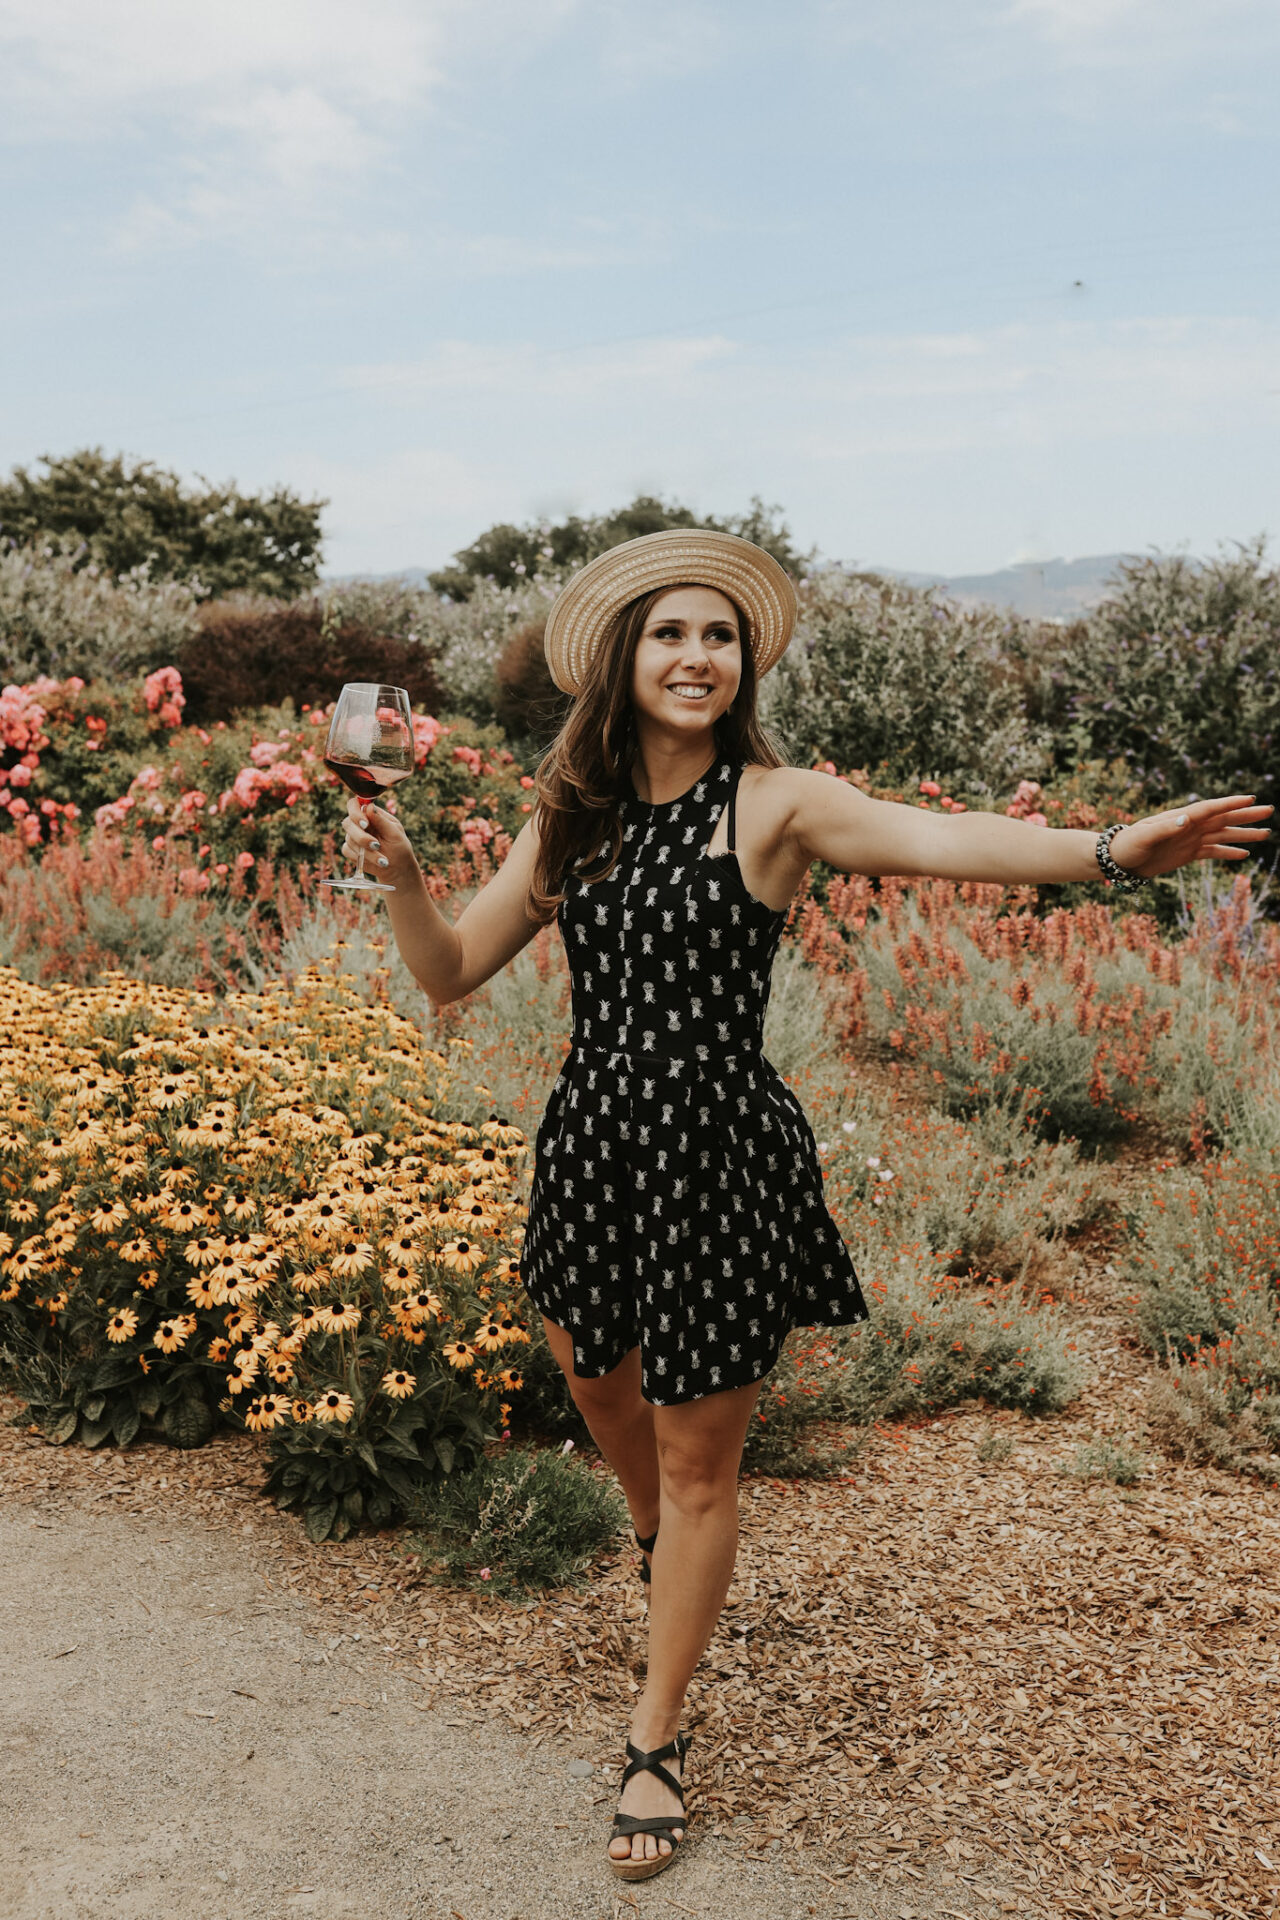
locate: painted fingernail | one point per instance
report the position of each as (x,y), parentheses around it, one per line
(383,860)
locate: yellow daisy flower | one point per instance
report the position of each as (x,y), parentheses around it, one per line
(107,1219)
(281,1369)
(334,1406)
(218,1349)
(267,1411)
(398,1384)
(356,1257)
(459,1354)
(205,1251)
(400,1280)
(147,1278)
(137,1250)
(461,1256)
(170,1335)
(23,1211)
(488,1337)
(122,1325)
(343,1319)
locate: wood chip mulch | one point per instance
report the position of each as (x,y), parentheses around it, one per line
(939,1672)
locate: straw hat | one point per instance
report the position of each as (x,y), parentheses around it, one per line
(678,557)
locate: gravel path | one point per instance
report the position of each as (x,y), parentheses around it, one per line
(182,1739)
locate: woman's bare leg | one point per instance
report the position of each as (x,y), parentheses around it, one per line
(620,1423)
(699,1448)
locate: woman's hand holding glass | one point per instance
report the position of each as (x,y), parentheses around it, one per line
(379,836)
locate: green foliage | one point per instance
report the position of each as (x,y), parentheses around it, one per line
(1176,673)
(1107,1460)
(507,555)
(372,1469)
(518,1522)
(894,679)
(1203,1258)
(133,514)
(61,616)
(993,1446)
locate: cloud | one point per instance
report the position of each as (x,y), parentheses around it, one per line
(248,114)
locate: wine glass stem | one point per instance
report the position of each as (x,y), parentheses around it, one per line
(360,857)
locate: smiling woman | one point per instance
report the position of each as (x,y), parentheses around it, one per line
(677,1225)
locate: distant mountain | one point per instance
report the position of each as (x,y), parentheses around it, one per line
(1041,589)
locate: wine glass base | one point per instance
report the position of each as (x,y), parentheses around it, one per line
(360,885)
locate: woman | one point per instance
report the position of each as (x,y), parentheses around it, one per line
(677,1229)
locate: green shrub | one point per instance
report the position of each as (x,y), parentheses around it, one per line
(518,1522)
(59,617)
(1220,1409)
(1176,673)
(889,677)
(1203,1256)
(993,1446)
(1107,1460)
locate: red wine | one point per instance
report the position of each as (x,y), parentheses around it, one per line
(366,782)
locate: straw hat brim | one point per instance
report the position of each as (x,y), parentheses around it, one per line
(677,557)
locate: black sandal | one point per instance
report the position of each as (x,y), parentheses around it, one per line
(625,1824)
(646,1546)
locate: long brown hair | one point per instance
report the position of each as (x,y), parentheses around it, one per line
(586,772)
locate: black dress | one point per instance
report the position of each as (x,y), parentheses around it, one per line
(677,1198)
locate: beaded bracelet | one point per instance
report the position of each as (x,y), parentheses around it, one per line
(1121,879)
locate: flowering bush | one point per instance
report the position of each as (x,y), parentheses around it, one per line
(248,1210)
(226,797)
(60,617)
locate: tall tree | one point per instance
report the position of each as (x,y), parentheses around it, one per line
(133,513)
(507,554)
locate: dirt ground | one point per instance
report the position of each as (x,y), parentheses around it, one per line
(183,1736)
(962,1681)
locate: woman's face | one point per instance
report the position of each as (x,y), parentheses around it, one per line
(688,661)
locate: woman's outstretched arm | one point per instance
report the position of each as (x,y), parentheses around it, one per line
(833,821)
(448,961)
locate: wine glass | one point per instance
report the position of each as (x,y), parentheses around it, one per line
(370,748)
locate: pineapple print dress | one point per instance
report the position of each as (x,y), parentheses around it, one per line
(677,1200)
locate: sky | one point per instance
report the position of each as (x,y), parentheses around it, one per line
(956,283)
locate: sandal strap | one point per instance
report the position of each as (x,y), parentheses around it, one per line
(625,1824)
(638,1762)
(647,1546)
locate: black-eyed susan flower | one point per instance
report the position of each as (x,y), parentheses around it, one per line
(267,1411)
(398,1383)
(341,1319)
(488,1337)
(204,1251)
(401,1246)
(459,1354)
(122,1325)
(46,1179)
(147,1278)
(307,1283)
(460,1256)
(281,1369)
(239,1321)
(24,1260)
(170,1335)
(137,1250)
(109,1218)
(510,1381)
(218,1350)
(23,1211)
(334,1406)
(303,1411)
(240,1206)
(185,1216)
(354,1257)
(399,1279)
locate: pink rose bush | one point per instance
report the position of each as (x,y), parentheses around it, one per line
(214,801)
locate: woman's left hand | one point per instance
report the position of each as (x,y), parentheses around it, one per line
(1202,830)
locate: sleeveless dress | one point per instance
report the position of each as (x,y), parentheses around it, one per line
(677,1198)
